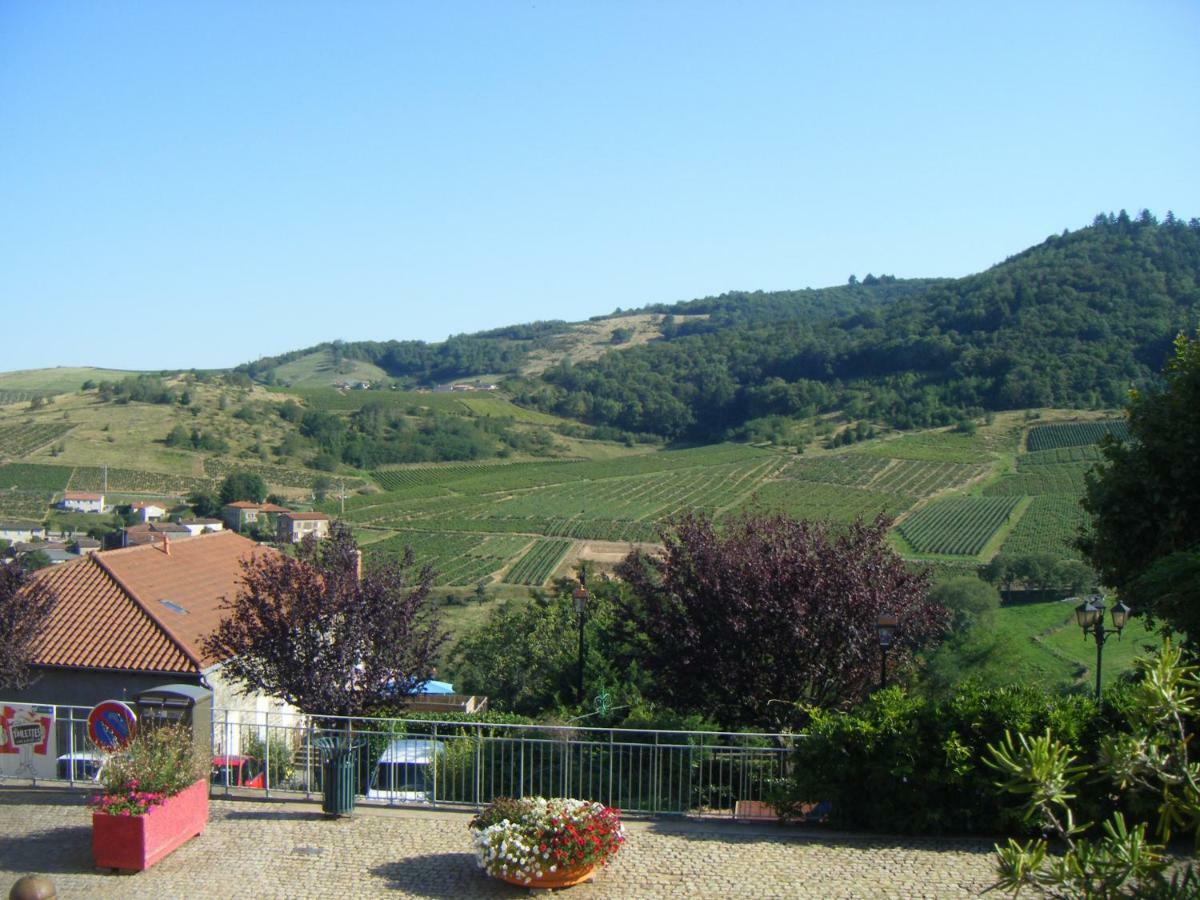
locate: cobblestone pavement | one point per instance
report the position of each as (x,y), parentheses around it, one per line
(288,849)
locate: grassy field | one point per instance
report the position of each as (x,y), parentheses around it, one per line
(1051,649)
(59,380)
(319,370)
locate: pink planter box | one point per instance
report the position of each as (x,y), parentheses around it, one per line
(134,843)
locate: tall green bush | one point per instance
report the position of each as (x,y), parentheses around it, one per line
(905,763)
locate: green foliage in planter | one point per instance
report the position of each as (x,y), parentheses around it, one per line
(160,760)
(905,763)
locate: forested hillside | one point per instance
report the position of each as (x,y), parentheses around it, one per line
(1072,322)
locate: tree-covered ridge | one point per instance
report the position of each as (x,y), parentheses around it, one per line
(1072,322)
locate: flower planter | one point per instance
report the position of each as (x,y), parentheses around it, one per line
(134,843)
(552,880)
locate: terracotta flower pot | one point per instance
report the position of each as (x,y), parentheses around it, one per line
(560,879)
(134,843)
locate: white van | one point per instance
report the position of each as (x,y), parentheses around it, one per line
(405,771)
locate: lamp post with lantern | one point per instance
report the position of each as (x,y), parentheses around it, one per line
(885,626)
(1090,616)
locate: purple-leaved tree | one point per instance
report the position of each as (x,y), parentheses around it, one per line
(747,620)
(25,605)
(313,632)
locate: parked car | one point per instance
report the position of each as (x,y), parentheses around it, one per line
(405,771)
(238,771)
(80,766)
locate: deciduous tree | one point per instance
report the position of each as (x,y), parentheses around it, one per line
(1145,499)
(25,605)
(745,621)
(309,630)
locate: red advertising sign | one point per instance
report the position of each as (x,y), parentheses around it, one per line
(111,725)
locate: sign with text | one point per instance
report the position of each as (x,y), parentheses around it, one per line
(27,741)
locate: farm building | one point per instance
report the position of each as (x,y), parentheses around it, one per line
(77,501)
(148,510)
(295,526)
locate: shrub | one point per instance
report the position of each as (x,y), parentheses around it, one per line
(905,763)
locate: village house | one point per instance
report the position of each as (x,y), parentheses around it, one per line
(78,501)
(148,510)
(242,513)
(154,532)
(133,619)
(293,527)
(18,531)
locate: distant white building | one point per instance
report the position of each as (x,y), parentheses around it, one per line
(203,526)
(77,501)
(148,510)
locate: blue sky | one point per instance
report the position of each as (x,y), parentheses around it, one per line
(201,184)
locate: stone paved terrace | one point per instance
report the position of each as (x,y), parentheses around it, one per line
(288,849)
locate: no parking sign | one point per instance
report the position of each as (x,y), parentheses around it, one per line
(111,725)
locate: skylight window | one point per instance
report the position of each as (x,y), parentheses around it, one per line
(174,607)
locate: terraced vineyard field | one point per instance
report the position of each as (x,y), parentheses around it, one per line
(831,503)
(933,446)
(33,477)
(1048,526)
(411,476)
(538,563)
(458,559)
(1082,454)
(959,526)
(25,437)
(1073,434)
(1065,478)
(135,481)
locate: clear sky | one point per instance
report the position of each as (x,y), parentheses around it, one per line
(199,184)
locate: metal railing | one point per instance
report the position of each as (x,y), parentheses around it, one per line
(468,764)
(401,761)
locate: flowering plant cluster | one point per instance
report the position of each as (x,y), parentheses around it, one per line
(534,837)
(159,763)
(131,802)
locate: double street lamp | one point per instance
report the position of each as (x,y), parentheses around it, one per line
(1090,616)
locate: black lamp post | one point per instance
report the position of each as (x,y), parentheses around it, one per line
(581,601)
(1090,616)
(886,626)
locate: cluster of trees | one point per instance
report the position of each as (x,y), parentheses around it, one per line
(1039,572)
(1056,325)
(196,439)
(737,624)
(499,351)
(379,433)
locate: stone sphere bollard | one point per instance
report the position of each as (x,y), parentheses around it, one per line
(33,887)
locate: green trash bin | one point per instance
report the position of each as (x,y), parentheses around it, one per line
(337,774)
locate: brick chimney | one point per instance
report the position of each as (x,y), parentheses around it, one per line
(358,564)
(166,545)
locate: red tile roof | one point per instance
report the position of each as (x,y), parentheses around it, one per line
(305,516)
(80,495)
(111,615)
